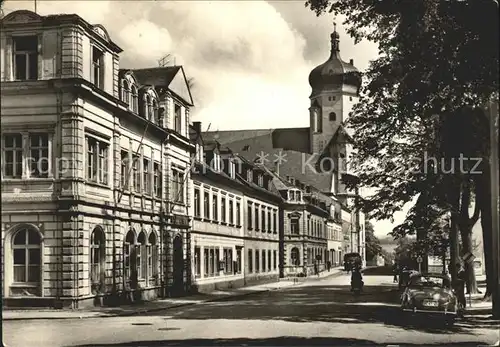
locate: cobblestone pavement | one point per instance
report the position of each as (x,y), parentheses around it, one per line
(322,312)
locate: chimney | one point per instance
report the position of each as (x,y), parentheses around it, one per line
(197,127)
(351,61)
(277,167)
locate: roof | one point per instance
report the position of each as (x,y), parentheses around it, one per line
(157,76)
(291,163)
(286,138)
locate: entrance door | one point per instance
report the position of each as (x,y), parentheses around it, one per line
(178,265)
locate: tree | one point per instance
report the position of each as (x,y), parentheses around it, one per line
(437,59)
(372,243)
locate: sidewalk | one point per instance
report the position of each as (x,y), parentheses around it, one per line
(144,307)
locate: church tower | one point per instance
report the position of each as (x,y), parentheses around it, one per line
(335,85)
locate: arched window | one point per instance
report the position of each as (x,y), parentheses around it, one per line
(295,256)
(26,246)
(134,102)
(152,258)
(156,119)
(129,255)
(140,256)
(97,257)
(333,117)
(145,101)
(125,92)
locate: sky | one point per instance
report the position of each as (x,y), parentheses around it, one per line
(250,60)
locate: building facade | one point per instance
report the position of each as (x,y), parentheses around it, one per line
(94,203)
(319,155)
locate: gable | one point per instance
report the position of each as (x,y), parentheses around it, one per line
(21,16)
(180,87)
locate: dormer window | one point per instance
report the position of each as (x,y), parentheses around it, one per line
(97,67)
(232,169)
(156,119)
(260,180)
(249,175)
(134,104)
(125,92)
(298,195)
(149,114)
(216,162)
(291,195)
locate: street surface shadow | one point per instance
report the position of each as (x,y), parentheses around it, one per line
(276,341)
(378,271)
(331,304)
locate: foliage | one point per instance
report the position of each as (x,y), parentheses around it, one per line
(372,243)
(435,57)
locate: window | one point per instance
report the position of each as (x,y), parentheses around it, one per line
(275,260)
(238,260)
(257,261)
(39,155)
(156,118)
(206,205)
(269,221)
(294,226)
(231,212)
(249,175)
(260,180)
(134,104)
(206,260)
(275,222)
(250,261)
(269,265)
(177,118)
(256,215)
(13,156)
(295,256)
(129,260)
(125,92)
(228,260)
(333,116)
(216,261)
(215,208)
(197,212)
(149,109)
(27,256)
(141,263)
(146,176)
(263,219)
(157,179)
(177,191)
(197,262)
(152,248)
(249,216)
(223,209)
(124,169)
(238,214)
(263,261)
(26,57)
(97,161)
(136,174)
(97,254)
(97,67)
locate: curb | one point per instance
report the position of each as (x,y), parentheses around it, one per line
(138,312)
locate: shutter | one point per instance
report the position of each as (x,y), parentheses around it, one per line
(49,55)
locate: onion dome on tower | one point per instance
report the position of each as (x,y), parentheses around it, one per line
(335,74)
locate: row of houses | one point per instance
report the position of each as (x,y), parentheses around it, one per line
(110,192)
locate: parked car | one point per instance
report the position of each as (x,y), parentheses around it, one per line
(352,259)
(404,277)
(431,294)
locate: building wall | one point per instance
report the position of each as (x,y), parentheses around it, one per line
(216,240)
(260,241)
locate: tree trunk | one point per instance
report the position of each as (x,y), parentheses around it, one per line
(466,225)
(483,199)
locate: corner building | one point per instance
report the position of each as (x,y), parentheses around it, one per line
(95,168)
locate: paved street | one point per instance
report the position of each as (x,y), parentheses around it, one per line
(321,312)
